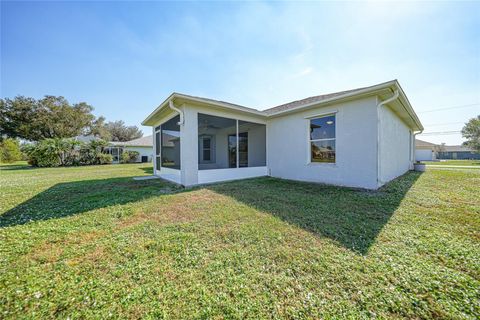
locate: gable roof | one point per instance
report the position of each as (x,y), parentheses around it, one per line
(421,143)
(146,141)
(384,90)
(309,100)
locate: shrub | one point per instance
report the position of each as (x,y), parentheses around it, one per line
(66,152)
(103,158)
(10,151)
(130,156)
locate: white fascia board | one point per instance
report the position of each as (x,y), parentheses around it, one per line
(346,96)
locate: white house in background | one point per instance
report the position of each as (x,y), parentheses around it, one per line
(425,151)
(143,145)
(359,138)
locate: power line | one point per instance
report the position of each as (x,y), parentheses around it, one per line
(439,133)
(443,124)
(453,107)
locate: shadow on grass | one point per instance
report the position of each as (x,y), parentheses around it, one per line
(72,198)
(148,170)
(15,167)
(351,217)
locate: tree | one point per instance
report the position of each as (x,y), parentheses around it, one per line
(99,129)
(471,132)
(10,151)
(50,117)
(120,132)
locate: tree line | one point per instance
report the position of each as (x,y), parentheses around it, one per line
(48,128)
(53,117)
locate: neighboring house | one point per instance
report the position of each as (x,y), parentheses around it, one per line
(458,153)
(143,145)
(425,151)
(86,138)
(359,138)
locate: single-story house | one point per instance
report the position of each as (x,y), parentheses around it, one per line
(143,145)
(457,153)
(425,151)
(359,138)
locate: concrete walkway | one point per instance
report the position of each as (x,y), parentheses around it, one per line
(448,166)
(146,178)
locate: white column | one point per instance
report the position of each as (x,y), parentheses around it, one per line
(189,147)
(237,153)
(154,156)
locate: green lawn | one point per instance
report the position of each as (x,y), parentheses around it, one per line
(454,163)
(90,242)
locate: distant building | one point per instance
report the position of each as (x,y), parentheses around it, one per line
(143,145)
(425,151)
(457,153)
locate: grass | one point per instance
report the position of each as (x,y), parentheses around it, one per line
(453,163)
(90,242)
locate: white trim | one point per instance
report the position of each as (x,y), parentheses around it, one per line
(337,99)
(321,115)
(217,175)
(201,101)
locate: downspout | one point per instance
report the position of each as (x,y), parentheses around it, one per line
(172,106)
(413,145)
(379,122)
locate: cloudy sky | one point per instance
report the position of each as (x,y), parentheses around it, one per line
(126,58)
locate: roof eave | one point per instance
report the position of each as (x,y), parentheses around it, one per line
(179,96)
(357,94)
(147,122)
(346,96)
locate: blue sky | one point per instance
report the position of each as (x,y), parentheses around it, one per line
(125,58)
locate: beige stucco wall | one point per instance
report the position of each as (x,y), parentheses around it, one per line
(395,147)
(356,140)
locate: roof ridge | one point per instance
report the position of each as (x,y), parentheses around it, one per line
(317,98)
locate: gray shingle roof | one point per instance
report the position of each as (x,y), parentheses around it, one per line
(421,143)
(146,141)
(298,103)
(289,105)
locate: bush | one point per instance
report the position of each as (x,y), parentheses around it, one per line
(66,152)
(130,156)
(10,151)
(103,158)
(45,153)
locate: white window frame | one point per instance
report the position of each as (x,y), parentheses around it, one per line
(201,149)
(309,140)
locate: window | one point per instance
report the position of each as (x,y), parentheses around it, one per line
(322,139)
(207,147)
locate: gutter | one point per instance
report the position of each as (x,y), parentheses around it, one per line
(172,106)
(413,144)
(394,97)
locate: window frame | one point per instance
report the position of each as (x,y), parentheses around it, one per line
(201,148)
(309,140)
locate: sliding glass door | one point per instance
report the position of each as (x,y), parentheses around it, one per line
(242,150)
